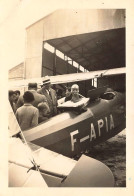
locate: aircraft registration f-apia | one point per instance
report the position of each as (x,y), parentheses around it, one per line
(76,130)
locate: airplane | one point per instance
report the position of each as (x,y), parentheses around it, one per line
(76,129)
(30,165)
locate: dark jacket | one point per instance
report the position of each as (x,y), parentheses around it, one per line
(51,99)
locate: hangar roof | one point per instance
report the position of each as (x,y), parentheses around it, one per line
(94,51)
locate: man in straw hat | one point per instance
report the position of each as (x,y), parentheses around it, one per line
(50,95)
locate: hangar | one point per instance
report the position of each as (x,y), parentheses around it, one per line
(72,41)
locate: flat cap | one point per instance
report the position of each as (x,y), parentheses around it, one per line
(32,85)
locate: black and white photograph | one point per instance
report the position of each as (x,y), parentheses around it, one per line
(66,110)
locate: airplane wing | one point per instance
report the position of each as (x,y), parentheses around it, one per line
(86,172)
(67,78)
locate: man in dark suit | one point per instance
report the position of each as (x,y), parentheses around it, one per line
(50,95)
(32,87)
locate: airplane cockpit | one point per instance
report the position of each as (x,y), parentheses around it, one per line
(102,92)
(93,96)
(70,105)
(108,95)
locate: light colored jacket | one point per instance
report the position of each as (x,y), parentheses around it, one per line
(27,116)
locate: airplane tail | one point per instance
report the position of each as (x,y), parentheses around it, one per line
(89,172)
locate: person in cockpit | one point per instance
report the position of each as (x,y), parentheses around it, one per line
(72,94)
(75,93)
(75,101)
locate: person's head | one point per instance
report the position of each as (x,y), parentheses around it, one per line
(46,83)
(75,89)
(17,92)
(59,93)
(32,86)
(44,109)
(109,90)
(12,95)
(68,91)
(28,97)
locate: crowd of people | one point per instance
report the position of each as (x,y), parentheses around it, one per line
(36,106)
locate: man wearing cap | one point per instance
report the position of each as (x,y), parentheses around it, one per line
(32,87)
(50,95)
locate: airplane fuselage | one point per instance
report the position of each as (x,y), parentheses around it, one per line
(69,133)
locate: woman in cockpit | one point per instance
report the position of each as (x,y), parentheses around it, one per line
(75,93)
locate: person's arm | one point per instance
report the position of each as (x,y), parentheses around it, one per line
(61,101)
(81,96)
(20,102)
(35,119)
(56,102)
(39,91)
(44,98)
(16,114)
(56,99)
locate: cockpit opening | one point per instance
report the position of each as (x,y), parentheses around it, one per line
(108,95)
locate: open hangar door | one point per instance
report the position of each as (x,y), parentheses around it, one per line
(101,50)
(53,64)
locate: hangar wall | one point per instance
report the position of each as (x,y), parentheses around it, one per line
(58,25)
(34,42)
(71,22)
(17,72)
